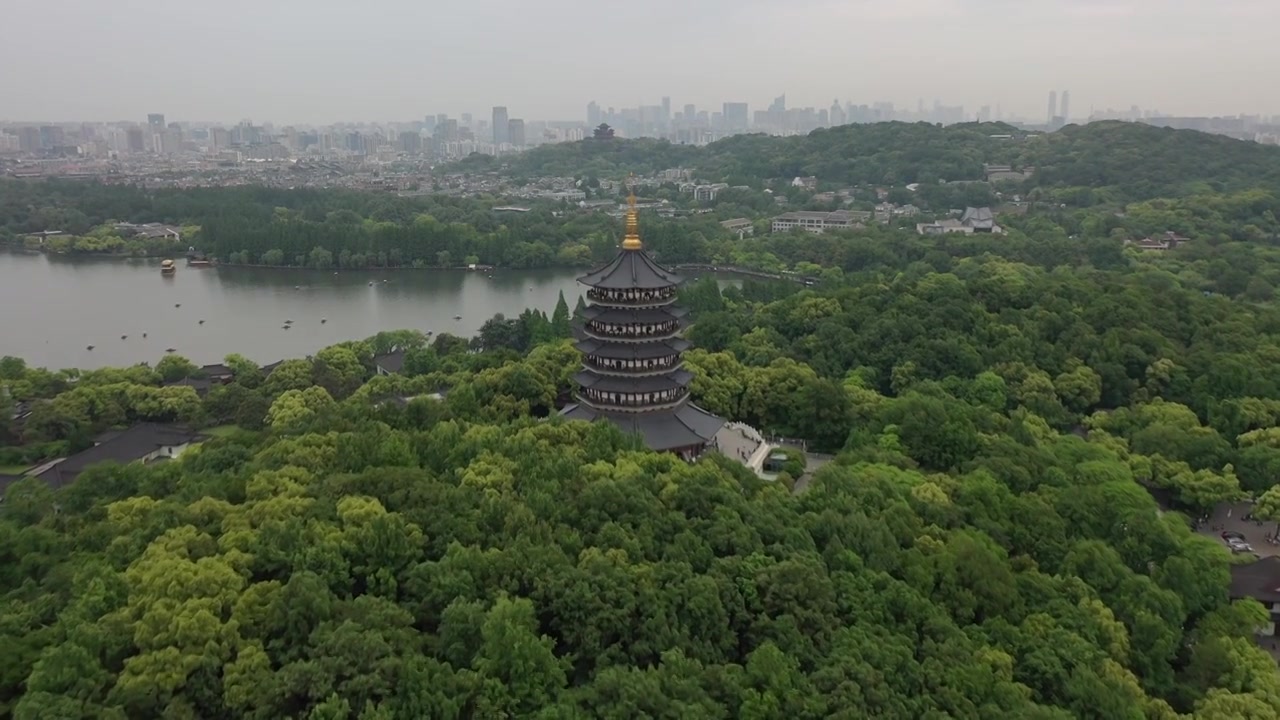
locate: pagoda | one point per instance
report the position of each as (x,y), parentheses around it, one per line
(630,339)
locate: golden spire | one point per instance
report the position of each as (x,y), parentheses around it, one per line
(631,240)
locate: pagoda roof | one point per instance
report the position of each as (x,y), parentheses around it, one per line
(623,384)
(631,351)
(631,269)
(684,426)
(622,316)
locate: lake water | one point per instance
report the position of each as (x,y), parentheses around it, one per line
(51,309)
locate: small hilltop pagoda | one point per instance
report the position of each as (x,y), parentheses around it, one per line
(630,339)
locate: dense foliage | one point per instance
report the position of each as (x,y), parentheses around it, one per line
(1124,161)
(386,561)
(1093,187)
(420,545)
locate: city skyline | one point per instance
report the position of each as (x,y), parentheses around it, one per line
(293,65)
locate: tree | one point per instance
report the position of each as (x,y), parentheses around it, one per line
(175,367)
(560,318)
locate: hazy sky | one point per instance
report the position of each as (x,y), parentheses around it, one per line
(324,61)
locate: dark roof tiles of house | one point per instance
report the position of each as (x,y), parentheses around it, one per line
(631,269)
(1258,580)
(685,426)
(391,362)
(133,444)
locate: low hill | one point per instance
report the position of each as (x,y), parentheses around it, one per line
(1143,161)
(1137,161)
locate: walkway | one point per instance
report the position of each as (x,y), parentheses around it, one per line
(742,443)
(1230,517)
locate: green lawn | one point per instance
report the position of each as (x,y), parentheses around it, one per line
(14,469)
(222,430)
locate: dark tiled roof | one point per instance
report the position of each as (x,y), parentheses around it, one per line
(650,383)
(631,269)
(978,217)
(1259,580)
(392,362)
(133,444)
(622,316)
(201,385)
(6,481)
(632,351)
(685,426)
(216,370)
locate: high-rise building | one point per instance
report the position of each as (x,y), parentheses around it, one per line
(515,132)
(690,114)
(1053,106)
(219,139)
(135,141)
(29,138)
(1064,112)
(52,136)
(837,114)
(631,345)
(501,126)
(155,121)
(735,116)
(593,114)
(410,142)
(467,120)
(666,110)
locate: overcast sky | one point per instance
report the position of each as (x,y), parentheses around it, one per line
(319,61)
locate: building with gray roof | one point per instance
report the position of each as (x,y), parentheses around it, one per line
(630,338)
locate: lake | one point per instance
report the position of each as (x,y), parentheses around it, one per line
(52,308)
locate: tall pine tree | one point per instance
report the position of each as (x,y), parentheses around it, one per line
(560,318)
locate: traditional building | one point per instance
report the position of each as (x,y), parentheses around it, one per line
(630,338)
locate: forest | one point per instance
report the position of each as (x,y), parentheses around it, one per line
(1131,161)
(1094,187)
(435,543)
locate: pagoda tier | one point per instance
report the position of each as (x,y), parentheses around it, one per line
(630,339)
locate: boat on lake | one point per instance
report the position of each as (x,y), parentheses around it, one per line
(167,267)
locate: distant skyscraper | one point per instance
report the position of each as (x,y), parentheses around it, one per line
(501,127)
(593,114)
(29,138)
(735,116)
(690,114)
(135,142)
(1053,106)
(1065,111)
(515,132)
(219,139)
(837,114)
(155,121)
(666,110)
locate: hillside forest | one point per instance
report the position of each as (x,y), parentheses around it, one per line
(1090,189)
(1025,430)
(435,543)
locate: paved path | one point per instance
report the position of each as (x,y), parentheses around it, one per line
(742,444)
(813,463)
(1230,516)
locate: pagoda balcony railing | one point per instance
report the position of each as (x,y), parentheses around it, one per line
(631,298)
(632,368)
(633,332)
(633,402)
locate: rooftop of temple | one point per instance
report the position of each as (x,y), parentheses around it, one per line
(629,336)
(632,268)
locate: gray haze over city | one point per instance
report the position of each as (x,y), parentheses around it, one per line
(290,61)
